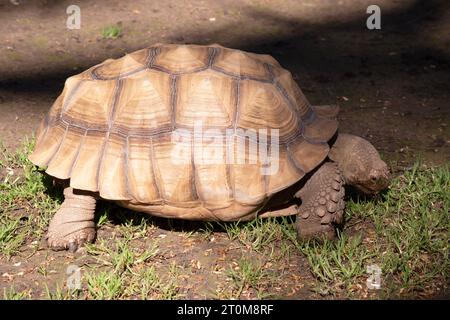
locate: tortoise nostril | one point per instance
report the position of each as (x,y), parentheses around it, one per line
(374,175)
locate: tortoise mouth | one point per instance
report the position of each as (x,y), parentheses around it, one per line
(367,190)
(373,188)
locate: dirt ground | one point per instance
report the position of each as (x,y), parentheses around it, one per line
(392,84)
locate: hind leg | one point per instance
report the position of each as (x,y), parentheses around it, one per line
(322,203)
(73,224)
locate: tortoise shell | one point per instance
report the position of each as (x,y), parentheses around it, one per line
(118,126)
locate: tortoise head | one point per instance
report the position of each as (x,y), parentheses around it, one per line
(368,175)
(360,164)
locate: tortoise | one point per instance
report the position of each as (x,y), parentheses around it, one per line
(127,130)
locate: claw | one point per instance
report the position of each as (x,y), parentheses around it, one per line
(73,247)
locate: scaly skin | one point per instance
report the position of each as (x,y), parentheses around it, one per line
(73,224)
(322,203)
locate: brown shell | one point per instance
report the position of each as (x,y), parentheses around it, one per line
(112,131)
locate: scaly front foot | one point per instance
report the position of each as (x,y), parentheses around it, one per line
(322,203)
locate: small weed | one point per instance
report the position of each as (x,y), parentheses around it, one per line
(248,274)
(12,294)
(112,32)
(256,234)
(105,285)
(121,256)
(60,294)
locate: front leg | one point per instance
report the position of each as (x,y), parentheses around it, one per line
(73,224)
(322,203)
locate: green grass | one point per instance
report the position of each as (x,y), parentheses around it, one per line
(120,271)
(149,285)
(247,274)
(25,206)
(112,32)
(128,271)
(343,260)
(11,294)
(121,256)
(144,282)
(256,234)
(12,235)
(105,285)
(60,293)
